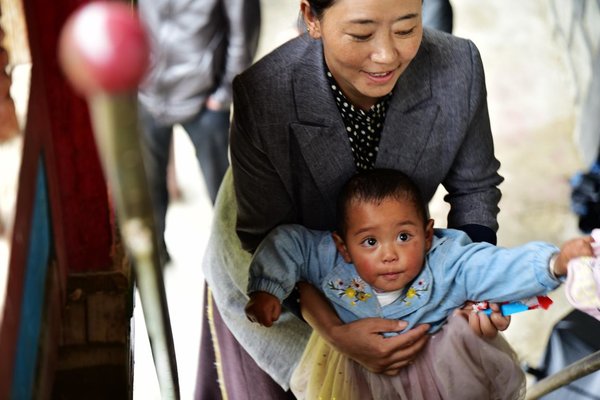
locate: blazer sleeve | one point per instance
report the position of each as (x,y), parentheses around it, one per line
(262,199)
(472,183)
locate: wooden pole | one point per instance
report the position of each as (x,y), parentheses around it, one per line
(578,369)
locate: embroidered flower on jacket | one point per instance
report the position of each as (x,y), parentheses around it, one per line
(358,284)
(354,291)
(415,291)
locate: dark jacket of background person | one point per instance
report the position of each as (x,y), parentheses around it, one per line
(183,72)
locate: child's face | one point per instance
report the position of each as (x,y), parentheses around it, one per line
(386,242)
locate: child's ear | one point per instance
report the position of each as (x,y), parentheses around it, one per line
(428,234)
(341,247)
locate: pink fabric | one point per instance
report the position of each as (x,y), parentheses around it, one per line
(455,364)
(582,288)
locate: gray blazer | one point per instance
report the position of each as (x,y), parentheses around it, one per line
(290,153)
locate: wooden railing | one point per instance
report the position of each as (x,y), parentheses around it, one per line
(578,369)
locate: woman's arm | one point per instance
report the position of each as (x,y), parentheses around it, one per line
(473,180)
(261,196)
(361,340)
(473,186)
(482,324)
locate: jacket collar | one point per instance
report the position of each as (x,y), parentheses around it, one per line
(311,87)
(345,289)
(410,118)
(320,131)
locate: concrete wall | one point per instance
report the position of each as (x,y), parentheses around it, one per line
(577,28)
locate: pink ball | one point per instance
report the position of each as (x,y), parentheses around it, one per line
(103,47)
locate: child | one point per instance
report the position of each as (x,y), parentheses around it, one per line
(387,260)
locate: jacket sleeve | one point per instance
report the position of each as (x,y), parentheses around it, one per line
(287,255)
(242,40)
(490,273)
(472,183)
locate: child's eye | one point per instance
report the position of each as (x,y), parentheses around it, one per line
(369,242)
(403,237)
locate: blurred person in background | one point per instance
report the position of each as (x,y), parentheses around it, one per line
(437,14)
(197,48)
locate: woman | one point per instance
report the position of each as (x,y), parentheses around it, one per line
(365,87)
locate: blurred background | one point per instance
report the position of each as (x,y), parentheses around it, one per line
(538,57)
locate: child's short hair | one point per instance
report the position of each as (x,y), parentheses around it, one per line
(374,186)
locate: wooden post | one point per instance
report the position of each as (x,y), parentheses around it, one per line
(570,373)
(64,242)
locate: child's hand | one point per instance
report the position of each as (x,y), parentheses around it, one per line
(482,324)
(580,247)
(263,308)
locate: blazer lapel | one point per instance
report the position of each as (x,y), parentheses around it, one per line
(408,124)
(321,134)
(320,131)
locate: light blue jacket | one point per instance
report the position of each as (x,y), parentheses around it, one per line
(456,270)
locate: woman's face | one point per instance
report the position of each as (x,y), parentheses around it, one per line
(368,44)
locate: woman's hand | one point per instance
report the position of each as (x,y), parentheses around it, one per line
(362,340)
(483,325)
(213,105)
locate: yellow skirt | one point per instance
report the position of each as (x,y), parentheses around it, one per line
(455,364)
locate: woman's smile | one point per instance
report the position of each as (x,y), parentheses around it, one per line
(380,77)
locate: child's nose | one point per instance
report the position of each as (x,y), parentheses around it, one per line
(390,253)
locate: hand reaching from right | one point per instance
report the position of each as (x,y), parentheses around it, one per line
(263,308)
(580,247)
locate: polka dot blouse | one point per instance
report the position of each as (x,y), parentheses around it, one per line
(363,127)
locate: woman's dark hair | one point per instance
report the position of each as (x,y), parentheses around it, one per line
(318,7)
(374,186)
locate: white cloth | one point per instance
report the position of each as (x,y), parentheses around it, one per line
(277,349)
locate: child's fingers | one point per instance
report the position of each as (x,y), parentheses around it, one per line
(580,247)
(488,326)
(251,316)
(275,312)
(499,321)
